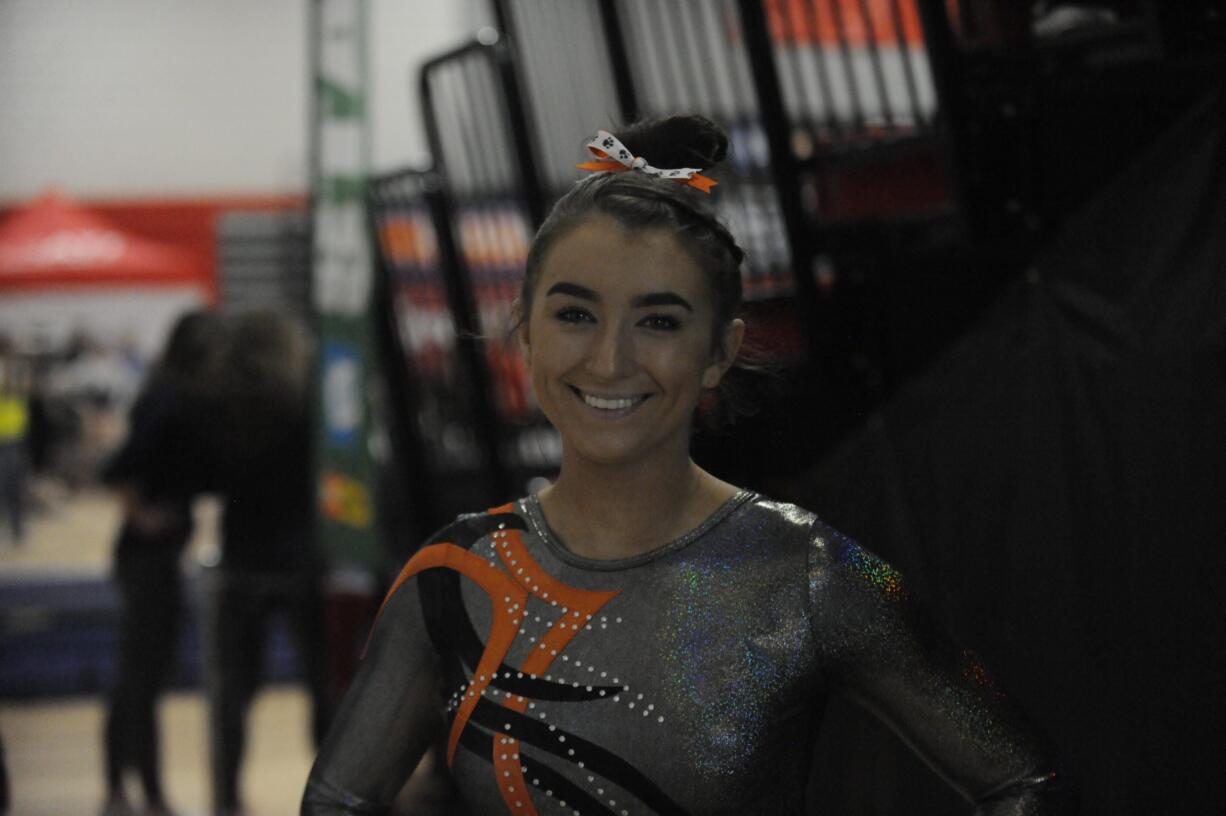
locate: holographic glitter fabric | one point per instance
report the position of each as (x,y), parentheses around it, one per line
(687,680)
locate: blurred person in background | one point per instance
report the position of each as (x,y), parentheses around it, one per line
(157,472)
(14,426)
(55,425)
(39,435)
(268,560)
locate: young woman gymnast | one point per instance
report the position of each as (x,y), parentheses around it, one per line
(640,636)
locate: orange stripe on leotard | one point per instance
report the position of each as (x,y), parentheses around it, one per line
(524,578)
(576,606)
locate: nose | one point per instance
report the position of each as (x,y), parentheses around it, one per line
(611,355)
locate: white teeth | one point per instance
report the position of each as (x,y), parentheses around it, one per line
(609,404)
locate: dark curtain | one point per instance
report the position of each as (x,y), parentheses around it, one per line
(1054,487)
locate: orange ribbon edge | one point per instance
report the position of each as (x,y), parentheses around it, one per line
(697,181)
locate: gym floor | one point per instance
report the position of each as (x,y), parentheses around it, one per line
(53,745)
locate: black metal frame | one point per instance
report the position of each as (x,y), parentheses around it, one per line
(401,396)
(785,170)
(490,482)
(619,61)
(498,54)
(524,193)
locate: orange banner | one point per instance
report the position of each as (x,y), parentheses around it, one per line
(861,22)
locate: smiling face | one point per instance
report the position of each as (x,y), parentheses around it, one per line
(619,342)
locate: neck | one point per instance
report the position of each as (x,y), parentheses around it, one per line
(606,511)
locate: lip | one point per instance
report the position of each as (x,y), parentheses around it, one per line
(609,413)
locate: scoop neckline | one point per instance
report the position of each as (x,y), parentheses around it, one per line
(536,518)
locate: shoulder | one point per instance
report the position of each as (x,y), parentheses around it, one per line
(857,600)
(793,527)
(837,565)
(782,524)
(451,545)
(467,529)
(755,533)
(846,559)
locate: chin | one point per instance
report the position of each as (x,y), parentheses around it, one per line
(607,456)
(625,452)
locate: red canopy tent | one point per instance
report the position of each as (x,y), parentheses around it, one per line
(66,271)
(53,243)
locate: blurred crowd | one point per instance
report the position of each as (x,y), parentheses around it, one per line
(224,410)
(62,412)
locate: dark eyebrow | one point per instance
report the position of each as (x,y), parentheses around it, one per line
(649,299)
(573,289)
(662,299)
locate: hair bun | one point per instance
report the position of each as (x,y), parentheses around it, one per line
(680,140)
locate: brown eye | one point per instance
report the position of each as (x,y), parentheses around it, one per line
(573,314)
(661,323)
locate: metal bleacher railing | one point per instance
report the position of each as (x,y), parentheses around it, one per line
(852,70)
(451,244)
(439,424)
(478,132)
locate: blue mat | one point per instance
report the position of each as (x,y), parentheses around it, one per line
(59,637)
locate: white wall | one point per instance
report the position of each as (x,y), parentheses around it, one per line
(122,98)
(404,34)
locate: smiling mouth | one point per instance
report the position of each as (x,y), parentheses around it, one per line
(614,405)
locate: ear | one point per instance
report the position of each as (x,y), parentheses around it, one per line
(729,345)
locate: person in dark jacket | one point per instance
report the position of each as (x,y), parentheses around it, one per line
(156,472)
(269,564)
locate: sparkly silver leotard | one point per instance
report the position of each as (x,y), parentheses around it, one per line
(688,680)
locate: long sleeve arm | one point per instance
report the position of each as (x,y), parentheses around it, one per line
(882,652)
(387,721)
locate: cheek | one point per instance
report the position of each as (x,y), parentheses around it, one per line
(686,366)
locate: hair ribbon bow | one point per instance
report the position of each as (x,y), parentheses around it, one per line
(614,156)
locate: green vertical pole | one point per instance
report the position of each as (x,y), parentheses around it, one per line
(343,272)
